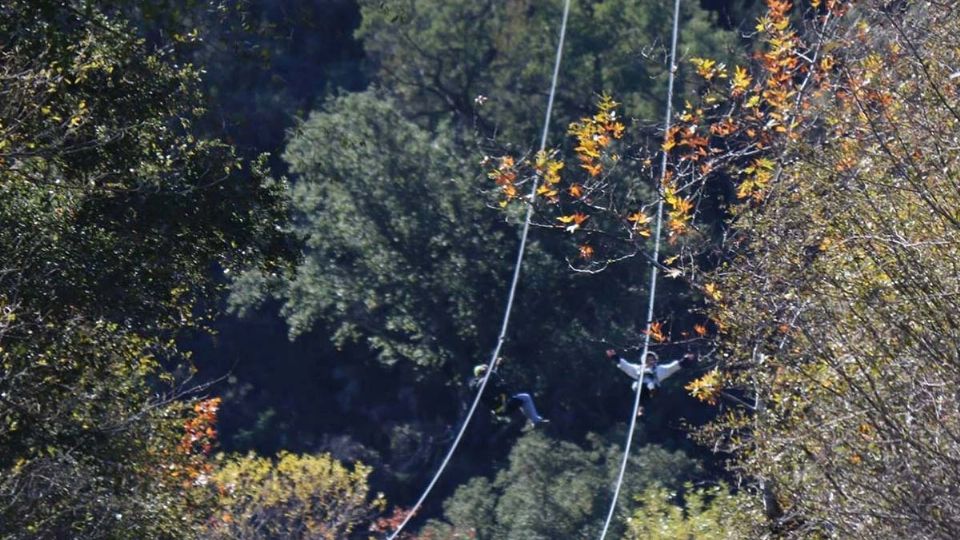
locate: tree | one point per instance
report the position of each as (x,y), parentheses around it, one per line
(399,253)
(95,149)
(553,489)
(405,259)
(269,61)
(827,291)
(702,514)
(438,57)
(394,252)
(833,302)
(293,496)
(87,447)
(113,216)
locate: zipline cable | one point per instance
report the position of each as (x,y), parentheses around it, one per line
(513,283)
(667,123)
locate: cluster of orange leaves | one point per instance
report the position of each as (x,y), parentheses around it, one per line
(505,176)
(197,441)
(762,108)
(656,332)
(765,106)
(595,133)
(640,223)
(594,136)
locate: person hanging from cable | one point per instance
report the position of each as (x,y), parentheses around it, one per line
(500,405)
(653,374)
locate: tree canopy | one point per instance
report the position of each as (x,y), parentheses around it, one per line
(438,57)
(808,255)
(554,489)
(112,216)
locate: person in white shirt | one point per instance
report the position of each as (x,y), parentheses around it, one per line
(653,374)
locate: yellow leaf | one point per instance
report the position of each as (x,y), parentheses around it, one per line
(639,218)
(546,191)
(712,291)
(741,81)
(576,218)
(707,388)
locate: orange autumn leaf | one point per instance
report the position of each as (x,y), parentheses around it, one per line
(676,226)
(700,329)
(576,218)
(639,218)
(586,252)
(656,332)
(682,206)
(594,169)
(709,69)
(615,129)
(669,140)
(573,221)
(575,191)
(723,128)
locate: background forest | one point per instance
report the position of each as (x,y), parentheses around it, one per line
(252,251)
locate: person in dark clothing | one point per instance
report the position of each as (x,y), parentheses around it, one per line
(501,405)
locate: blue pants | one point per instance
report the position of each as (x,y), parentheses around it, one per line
(528,408)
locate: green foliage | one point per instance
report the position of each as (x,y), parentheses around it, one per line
(267,61)
(554,489)
(438,56)
(114,205)
(292,497)
(112,218)
(392,234)
(837,301)
(87,447)
(404,259)
(702,514)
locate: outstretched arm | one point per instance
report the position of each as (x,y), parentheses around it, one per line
(666,370)
(632,370)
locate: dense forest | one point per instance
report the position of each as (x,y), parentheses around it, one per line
(256,257)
